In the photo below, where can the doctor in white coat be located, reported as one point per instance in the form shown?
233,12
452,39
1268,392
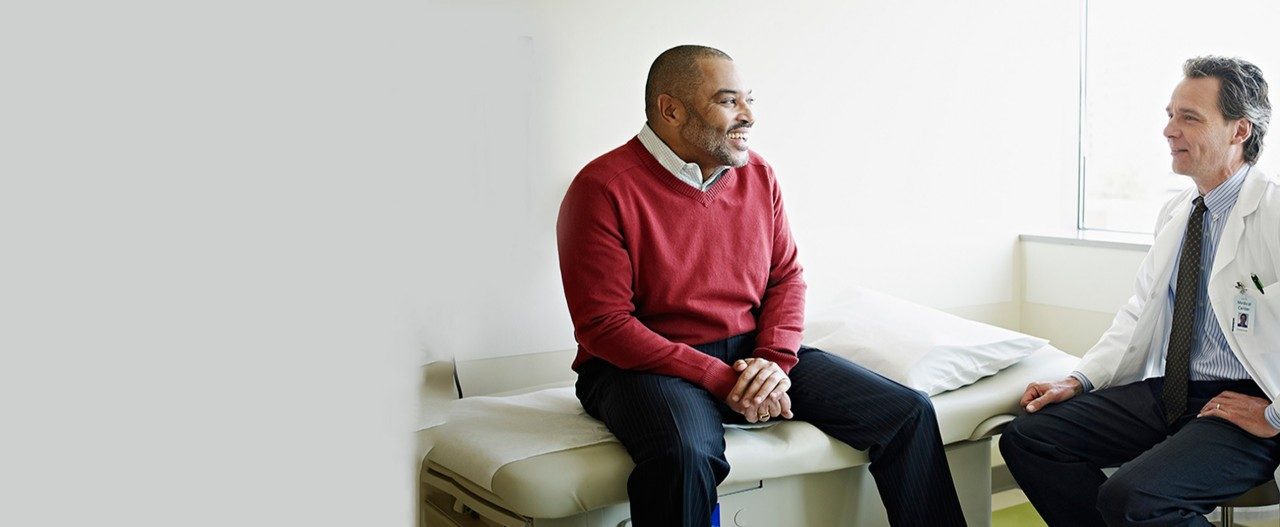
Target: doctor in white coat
1177,392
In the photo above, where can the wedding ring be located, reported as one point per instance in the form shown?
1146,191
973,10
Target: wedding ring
1218,407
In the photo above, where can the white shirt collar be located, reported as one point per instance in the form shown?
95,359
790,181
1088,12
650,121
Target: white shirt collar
689,173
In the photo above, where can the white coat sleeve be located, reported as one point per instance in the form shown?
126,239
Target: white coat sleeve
1102,361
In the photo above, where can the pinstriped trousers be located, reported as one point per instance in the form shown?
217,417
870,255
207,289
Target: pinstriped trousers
673,430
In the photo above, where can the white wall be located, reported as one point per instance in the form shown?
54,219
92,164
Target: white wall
1073,291
914,142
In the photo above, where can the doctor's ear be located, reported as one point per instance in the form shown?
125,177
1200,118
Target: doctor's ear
1244,129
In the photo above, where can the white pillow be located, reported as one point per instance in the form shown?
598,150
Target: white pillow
918,346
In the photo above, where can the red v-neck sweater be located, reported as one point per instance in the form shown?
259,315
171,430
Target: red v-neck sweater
652,266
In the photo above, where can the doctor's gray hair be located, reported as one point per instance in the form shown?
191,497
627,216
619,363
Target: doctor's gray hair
1243,95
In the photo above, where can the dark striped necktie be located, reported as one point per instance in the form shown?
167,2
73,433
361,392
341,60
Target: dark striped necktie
1182,334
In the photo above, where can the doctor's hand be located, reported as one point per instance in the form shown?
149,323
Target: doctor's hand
1244,411
758,379
1042,394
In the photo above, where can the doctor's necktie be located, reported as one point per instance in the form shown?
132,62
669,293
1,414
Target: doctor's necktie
1177,362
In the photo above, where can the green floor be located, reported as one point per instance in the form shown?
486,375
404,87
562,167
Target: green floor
1024,515
1021,515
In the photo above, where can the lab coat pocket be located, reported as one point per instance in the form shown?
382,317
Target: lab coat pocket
1264,338
1260,348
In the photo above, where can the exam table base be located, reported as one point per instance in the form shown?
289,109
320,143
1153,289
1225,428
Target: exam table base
844,497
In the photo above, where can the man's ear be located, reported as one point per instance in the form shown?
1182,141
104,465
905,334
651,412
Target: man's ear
1244,129
671,111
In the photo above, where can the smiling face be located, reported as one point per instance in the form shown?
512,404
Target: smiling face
1204,144
719,118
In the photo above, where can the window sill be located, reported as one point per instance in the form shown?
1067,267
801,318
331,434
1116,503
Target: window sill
1094,238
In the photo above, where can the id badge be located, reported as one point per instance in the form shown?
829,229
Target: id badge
1243,320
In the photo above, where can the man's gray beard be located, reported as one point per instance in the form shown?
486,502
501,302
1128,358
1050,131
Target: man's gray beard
706,138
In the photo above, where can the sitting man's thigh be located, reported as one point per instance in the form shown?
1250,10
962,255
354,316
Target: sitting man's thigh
1106,427
1206,462
827,387
823,372
646,407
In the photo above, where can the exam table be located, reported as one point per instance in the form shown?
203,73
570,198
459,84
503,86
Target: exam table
788,474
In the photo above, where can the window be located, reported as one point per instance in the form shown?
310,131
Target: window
1132,59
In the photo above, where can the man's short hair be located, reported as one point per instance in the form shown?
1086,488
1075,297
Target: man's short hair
1243,95
675,72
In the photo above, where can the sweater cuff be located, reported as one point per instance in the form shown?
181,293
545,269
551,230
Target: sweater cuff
786,361
719,379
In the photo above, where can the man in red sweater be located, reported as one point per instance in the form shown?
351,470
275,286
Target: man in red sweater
687,301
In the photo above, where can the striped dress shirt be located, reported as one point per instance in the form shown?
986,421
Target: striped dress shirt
687,172
1211,356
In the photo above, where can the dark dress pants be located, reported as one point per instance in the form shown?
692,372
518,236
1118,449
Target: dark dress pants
673,430
1168,475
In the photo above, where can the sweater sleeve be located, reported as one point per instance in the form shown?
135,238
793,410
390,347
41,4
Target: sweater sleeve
782,309
597,275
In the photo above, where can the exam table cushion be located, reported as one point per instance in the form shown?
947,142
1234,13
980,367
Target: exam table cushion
921,347
573,481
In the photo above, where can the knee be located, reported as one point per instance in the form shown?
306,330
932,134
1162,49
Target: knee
683,455
1007,442
916,411
918,403
1025,445
1120,497
1024,434
695,454
1011,437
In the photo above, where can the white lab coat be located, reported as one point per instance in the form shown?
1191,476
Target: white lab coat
1132,349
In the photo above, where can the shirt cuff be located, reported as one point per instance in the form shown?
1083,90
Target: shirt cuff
1273,416
1084,381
